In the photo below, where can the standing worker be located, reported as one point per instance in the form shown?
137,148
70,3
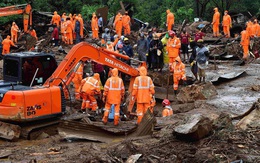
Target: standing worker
100,24
94,26
68,30
185,41
126,24
170,20
14,32
7,43
178,73
56,19
77,81
215,22
201,60
55,35
167,111
114,92
77,29
245,41
173,47
88,89
227,24
142,47
143,89
119,25
81,25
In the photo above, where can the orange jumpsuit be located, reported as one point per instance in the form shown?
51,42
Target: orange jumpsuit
126,24
56,19
114,90
7,43
62,31
119,26
215,22
68,31
249,26
170,20
33,33
173,48
89,88
81,25
167,111
143,88
226,25
77,81
245,41
178,72
94,26
14,32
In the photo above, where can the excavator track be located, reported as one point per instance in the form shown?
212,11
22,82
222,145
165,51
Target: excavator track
9,131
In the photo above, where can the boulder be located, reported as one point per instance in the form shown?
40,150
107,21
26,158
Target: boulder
195,92
194,127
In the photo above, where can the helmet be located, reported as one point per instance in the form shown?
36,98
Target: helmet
166,102
171,33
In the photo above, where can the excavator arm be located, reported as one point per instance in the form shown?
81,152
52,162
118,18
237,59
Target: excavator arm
24,9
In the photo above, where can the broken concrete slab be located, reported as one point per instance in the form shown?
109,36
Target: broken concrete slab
195,92
193,127
224,75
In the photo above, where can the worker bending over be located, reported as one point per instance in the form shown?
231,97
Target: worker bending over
143,88
7,43
114,92
167,111
88,89
178,73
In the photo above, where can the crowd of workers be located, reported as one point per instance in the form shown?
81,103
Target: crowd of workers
155,47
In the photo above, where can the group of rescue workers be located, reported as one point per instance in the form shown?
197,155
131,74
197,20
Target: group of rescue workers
154,47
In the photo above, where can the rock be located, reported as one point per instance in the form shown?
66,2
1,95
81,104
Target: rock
193,127
255,88
133,158
194,92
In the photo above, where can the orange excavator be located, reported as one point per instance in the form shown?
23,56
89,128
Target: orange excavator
21,103
24,9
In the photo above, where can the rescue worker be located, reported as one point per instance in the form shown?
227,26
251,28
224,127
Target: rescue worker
173,47
88,89
62,31
179,73
170,20
142,47
14,32
117,18
202,54
245,41
77,81
32,32
7,43
226,24
255,28
249,26
114,92
167,111
81,25
68,31
119,26
185,41
143,89
94,26
215,22
126,24
56,19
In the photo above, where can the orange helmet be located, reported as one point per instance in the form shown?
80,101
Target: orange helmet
166,102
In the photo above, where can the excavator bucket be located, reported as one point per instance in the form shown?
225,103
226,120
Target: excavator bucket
9,131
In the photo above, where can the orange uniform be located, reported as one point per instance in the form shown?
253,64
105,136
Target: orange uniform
81,25
62,31
245,41
117,18
173,49
77,81
7,43
170,20
143,88
94,26
89,88
249,26
14,32
167,111
114,90
55,19
215,22
32,32
126,24
68,30
227,22
178,72
255,28
119,26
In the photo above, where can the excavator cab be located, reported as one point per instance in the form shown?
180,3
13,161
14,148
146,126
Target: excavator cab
28,68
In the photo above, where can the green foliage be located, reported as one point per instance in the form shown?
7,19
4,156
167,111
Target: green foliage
88,10
184,13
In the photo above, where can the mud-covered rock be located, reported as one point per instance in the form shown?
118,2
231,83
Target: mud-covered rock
195,92
193,127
